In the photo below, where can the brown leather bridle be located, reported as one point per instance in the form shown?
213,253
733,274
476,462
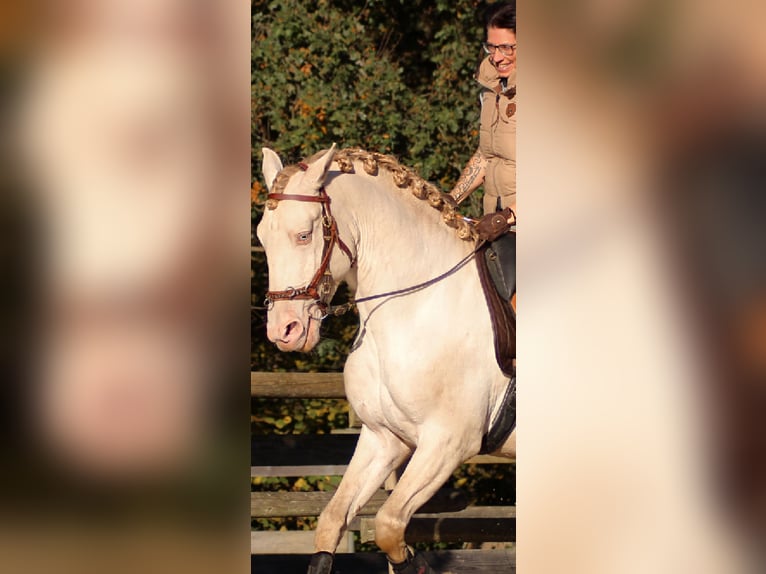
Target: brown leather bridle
319,288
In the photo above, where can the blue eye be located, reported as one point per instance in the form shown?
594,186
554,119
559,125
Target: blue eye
304,237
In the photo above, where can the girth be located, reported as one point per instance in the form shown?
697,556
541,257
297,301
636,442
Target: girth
504,422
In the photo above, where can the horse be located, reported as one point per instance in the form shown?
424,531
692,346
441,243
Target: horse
422,374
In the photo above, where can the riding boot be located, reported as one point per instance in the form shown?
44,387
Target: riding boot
412,565
321,563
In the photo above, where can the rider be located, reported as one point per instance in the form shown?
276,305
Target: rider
494,163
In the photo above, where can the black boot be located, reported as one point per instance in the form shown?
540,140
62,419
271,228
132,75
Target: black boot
413,565
321,563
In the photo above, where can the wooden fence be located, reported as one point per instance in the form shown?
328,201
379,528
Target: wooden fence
447,517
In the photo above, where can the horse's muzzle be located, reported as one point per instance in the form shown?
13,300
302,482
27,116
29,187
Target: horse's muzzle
291,332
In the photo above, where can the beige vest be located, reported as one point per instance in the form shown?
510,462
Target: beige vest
498,136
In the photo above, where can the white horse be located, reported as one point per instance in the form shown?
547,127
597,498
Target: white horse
422,377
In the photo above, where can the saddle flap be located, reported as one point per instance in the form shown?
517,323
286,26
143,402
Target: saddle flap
501,263
500,311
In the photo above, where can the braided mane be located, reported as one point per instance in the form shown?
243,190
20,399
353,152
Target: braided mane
403,176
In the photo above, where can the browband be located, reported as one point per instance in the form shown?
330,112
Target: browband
321,198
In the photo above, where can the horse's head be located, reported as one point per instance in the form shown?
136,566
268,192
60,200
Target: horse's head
299,235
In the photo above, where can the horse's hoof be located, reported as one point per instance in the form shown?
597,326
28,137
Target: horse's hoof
321,563
413,565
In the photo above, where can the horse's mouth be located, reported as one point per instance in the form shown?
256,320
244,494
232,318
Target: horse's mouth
297,345
305,343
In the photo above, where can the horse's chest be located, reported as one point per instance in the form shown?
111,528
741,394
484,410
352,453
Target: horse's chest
390,390
377,408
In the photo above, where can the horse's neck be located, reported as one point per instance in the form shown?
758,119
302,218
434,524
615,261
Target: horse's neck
400,240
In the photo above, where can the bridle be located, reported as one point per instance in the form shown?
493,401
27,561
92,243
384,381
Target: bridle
319,289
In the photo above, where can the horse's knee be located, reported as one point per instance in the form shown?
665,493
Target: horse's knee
389,535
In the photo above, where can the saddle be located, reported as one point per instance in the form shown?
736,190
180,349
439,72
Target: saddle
496,262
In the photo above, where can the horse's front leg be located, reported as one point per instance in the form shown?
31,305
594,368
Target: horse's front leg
377,454
431,465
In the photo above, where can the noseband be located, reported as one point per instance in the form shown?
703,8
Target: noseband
319,288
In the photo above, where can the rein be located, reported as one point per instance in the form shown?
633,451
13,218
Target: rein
320,285
338,310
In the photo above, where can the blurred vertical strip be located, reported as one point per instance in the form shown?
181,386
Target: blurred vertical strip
124,299
641,285
17,247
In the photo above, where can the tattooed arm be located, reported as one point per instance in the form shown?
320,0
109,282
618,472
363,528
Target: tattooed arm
471,178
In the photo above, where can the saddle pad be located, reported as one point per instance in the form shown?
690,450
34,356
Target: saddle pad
501,313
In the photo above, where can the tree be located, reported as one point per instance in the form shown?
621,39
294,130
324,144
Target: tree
392,76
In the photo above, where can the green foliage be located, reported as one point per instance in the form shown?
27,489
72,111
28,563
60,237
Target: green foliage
318,78
298,416
487,484
394,77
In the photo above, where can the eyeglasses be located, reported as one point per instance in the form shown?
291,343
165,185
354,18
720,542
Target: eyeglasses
505,49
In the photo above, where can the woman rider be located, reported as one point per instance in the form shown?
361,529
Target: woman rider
494,163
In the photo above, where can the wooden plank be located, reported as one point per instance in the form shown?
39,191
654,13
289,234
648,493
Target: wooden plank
444,561
473,524
297,385
304,470
269,453
287,503
280,504
338,469
292,542
490,459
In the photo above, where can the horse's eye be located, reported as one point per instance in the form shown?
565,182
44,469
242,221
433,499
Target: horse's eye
304,237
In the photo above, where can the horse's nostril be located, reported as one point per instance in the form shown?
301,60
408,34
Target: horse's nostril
292,326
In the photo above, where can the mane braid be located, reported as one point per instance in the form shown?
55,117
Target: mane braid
404,178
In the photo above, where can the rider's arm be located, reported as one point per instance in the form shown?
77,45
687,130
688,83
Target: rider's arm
471,178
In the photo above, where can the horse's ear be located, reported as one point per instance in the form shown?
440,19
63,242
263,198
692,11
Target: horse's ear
271,166
317,171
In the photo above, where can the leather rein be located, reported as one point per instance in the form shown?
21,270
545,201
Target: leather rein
319,288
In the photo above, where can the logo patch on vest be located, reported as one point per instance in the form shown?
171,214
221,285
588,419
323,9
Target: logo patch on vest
510,110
